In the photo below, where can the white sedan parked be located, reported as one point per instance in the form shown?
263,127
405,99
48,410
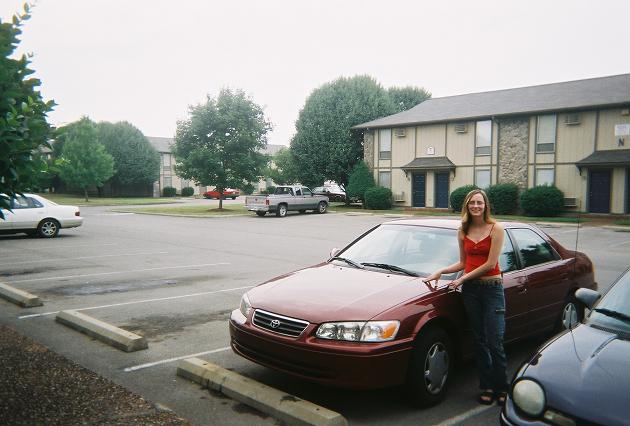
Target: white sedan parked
35,215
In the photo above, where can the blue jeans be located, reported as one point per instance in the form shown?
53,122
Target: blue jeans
485,305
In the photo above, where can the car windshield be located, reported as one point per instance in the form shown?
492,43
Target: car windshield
613,312
418,249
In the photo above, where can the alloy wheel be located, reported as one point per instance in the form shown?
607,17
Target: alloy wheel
436,368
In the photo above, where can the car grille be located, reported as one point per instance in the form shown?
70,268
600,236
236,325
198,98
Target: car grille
279,324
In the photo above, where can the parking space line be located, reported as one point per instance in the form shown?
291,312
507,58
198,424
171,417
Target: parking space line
464,416
81,258
159,299
165,361
116,272
619,244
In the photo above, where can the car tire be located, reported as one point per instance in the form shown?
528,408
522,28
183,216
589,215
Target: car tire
321,207
261,214
302,211
48,228
572,313
234,198
282,210
430,367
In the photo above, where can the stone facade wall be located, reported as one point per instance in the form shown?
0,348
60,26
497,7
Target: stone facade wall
368,148
513,146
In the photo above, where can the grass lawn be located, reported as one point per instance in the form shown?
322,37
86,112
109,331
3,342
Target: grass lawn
623,222
198,210
79,200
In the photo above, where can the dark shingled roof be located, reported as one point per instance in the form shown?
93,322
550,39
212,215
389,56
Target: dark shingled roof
615,157
570,95
429,163
161,144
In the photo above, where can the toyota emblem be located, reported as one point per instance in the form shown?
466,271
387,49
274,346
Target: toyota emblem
275,323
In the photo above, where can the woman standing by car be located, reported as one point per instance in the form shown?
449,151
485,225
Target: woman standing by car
480,242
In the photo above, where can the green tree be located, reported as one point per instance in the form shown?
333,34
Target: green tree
361,179
135,160
84,161
23,126
407,97
220,143
325,146
282,168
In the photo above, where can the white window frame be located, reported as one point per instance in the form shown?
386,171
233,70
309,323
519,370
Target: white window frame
385,175
546,140
166,161
385,141
477,172
483,146
538,177
168,179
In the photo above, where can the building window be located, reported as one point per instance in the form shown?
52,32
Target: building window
166,161
385,144
546,133
482,178
185,183
483,137
544,176
385,179
168,181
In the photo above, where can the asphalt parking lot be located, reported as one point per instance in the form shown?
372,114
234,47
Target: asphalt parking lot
175,281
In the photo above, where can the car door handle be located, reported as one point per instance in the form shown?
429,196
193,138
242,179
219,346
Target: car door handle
521,289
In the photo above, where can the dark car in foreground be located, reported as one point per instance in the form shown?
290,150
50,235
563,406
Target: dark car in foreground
365,319
581,377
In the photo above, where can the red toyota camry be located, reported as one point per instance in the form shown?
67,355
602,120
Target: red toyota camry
364,318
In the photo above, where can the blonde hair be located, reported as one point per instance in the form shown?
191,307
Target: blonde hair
486,210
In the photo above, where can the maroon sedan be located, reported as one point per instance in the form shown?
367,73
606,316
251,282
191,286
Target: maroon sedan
364,319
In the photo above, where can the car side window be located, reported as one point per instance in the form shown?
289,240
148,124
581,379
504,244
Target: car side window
532,247
507,258
21,202
306,192
35,203
298,192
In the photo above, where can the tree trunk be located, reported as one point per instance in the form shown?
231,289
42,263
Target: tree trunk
221,200
85,192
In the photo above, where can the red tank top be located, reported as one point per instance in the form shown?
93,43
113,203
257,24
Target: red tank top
477,254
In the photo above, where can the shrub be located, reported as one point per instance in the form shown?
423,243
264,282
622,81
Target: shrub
169,191
543,200
188,191
248,189
503,198
359,181
458,195
378,198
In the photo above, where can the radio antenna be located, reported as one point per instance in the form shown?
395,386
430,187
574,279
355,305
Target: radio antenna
577,236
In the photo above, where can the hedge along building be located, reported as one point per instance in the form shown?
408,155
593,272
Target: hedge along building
574,135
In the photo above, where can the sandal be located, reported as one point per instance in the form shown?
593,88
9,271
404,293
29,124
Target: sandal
486,397
501,397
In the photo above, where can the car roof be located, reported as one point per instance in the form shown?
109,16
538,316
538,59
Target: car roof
448,223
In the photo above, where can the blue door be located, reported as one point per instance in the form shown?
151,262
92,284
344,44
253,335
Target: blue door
599,191
441,190
419,189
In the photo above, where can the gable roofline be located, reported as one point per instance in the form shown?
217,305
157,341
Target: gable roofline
576,95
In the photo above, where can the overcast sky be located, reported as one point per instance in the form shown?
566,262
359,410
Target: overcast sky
146,61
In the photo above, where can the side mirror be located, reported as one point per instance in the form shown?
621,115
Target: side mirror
334,252
587,296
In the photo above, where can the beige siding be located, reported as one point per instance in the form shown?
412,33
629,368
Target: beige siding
463,176
403,149
545,159
617,191
483,160
569,181
606,139
384,164
461,146
401,185
532,140
431,136
530,176
430,190
575,142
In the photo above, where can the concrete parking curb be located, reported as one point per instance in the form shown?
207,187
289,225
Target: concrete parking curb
358,214
617,228
280,405
114,336
20,297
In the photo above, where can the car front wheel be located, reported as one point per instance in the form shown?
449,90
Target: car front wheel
321,207
48,228
430,368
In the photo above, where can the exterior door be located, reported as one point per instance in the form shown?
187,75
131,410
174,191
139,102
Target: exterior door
441,189
419,189
599,191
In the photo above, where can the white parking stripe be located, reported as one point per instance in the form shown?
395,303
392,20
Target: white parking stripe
115,272
165,361
465,416
81,258
619,244
138,301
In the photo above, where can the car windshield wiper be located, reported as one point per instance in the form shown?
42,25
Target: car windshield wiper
348,261
390,268
613,314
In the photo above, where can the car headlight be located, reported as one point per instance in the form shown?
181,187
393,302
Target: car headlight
359,331
529,396
245,307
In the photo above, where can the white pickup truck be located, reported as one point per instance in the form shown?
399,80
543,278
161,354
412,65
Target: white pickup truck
287,198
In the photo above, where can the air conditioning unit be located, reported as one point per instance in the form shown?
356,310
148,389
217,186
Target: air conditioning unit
400,133
461,128
570,202
572,119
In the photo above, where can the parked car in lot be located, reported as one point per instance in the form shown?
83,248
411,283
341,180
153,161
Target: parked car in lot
581,377
227,193
333,192
286,198
35,215
365,319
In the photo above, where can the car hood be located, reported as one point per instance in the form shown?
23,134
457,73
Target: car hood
583,369
327,292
